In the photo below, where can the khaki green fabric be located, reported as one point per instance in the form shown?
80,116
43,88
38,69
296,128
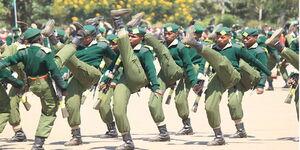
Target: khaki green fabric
4,108
14,118
213,96
249,76
221,65
297,102
130,82
291,57
105,107
45,91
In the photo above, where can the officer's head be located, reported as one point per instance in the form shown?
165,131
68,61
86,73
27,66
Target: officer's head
15,30
113,41
171,32
223,36
61,35
198,32
33,35
136,35
249,36
89,33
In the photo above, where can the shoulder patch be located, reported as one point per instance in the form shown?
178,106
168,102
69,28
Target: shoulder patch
21,47
102,44
180,45
46,50
259,50
187,45
144,50
149,47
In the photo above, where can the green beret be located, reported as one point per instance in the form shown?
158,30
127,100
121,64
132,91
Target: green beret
261,39
198,29
171,28
137,30
112,38
144,25
15,29
31,32
102,30
270,33
223,31
90,29
61,32
250,32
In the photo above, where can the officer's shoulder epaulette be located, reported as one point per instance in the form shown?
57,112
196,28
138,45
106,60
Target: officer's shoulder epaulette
46,49
180,45
102,39
259,50
149,47
21,47
187,45
102,44
236,45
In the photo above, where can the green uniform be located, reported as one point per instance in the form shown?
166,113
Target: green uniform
38,63
11,39
14,117
261,55
5,111
84,67
138,71
176,65
215,89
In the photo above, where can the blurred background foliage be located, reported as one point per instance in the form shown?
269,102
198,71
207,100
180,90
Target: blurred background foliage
248,12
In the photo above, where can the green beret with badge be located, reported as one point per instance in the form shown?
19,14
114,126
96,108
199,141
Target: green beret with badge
31,32
171,28
137,30
112,38
198,29
250,32
224,31
102,30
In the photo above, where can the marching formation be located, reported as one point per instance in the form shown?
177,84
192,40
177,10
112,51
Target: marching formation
115,62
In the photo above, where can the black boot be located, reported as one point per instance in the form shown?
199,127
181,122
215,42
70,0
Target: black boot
117,17
38,143
162,136
18,137
189,39
76,138
218,140
128,145
187,128
112,131
270,88
240,133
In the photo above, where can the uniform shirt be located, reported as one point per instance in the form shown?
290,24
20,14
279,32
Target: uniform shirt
181,56
37,61
145,56
295,45
234,53
261,55
11,39
197,59
94,53
271,52
6,76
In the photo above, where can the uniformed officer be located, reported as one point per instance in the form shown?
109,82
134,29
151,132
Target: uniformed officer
38,64
139,70
250,41
105,107
219,83
175,65
13,37
84,67
288,54
6,76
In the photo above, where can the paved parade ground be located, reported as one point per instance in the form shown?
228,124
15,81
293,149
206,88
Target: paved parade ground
270,123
